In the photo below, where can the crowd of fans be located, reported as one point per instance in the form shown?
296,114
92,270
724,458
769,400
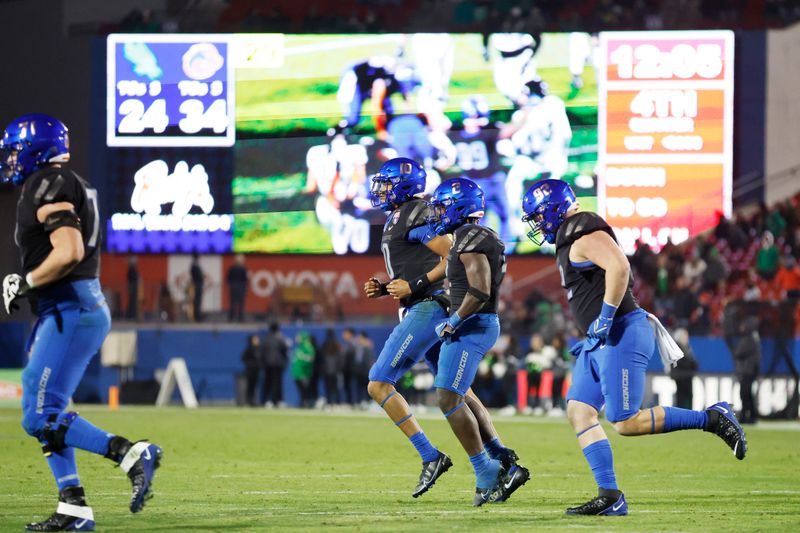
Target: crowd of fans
752,257
329,372
456,15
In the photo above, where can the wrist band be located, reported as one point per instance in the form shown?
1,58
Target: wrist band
419,284
455,320
608,311
29,280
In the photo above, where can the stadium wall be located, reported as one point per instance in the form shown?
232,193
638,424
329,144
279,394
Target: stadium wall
334,280
783,114
213,359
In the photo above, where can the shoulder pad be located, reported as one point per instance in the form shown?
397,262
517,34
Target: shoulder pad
579,225
415,212
470,238
50,185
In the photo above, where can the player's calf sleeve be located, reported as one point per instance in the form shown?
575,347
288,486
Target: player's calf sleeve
601,461
425,449
677,419
65,471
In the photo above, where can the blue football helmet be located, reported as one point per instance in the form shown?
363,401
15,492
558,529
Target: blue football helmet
30,142
397,181
453,202
475,108
545,205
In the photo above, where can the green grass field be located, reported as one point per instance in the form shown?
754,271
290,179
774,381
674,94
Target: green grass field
259,470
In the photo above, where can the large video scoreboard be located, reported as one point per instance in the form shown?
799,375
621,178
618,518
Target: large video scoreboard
666,133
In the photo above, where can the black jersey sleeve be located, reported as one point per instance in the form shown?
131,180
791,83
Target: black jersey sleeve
57,185
579,225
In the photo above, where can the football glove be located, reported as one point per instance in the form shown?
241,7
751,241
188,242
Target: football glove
602,324
14,286
447,327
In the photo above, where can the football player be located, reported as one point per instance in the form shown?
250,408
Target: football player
539,135
515,63
375,79
476,265
337,173
58,235
612,361
413,254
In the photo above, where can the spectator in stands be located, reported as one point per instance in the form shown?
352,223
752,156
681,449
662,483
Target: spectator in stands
695,266
198,281
276,356
251,357
539,358
747,358
134,289
684,302
303,357
663,285
767,257
166,304
684,372
237,289
788,277
645,262
716,269
332,364
365,357
349,349
561,367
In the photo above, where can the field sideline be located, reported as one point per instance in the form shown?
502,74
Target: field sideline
268,470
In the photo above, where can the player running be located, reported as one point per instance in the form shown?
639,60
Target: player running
611,362
476,265
58,234
413,255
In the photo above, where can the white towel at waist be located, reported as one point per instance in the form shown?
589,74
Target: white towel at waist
667,347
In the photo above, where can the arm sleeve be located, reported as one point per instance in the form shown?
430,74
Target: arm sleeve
423,234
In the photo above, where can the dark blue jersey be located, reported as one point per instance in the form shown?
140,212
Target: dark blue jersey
406,256
586,282
472,238
47,186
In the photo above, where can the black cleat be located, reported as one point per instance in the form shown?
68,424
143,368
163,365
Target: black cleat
431,470
516,477
141,463
722,422
72,514
507,458
612,503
